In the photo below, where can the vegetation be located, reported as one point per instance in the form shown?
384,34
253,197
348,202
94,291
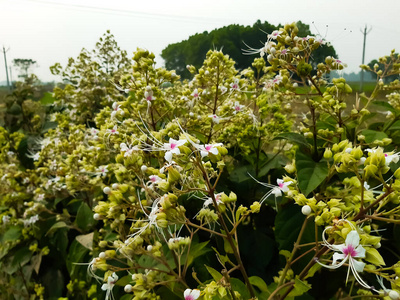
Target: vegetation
232,40
146,186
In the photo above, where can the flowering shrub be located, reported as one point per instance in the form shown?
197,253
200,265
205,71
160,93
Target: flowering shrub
166,189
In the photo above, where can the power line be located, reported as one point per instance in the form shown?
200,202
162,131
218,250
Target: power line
178,18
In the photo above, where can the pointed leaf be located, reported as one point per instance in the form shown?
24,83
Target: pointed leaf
309,173
373,256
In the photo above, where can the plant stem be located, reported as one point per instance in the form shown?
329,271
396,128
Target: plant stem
228,235
295,248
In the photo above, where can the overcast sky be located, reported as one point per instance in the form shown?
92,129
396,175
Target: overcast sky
50,31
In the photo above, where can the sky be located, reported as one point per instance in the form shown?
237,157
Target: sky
51,31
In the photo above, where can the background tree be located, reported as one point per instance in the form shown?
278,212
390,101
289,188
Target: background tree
231,39
23,64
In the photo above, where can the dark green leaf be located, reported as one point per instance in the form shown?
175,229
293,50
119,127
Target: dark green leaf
240,287
384,105
372,135
197,250
76,254
56,226
310,174
12,234
84,218
293,137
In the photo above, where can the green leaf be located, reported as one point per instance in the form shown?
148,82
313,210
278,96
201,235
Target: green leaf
12,234
47,99
76,254
49,125
84,217
56,226
20,258
214,273
395,126
86,240
240,287
310,174
372,135
273,162
300,287
197,250
124,280
384,105
372,255
293,137
259,282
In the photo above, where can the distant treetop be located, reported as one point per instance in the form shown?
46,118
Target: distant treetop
231,40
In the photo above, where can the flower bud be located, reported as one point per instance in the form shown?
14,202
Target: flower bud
102,255
394,295
255,207
327,153
143,168
96,216
107,190
128,288
114,186
306,210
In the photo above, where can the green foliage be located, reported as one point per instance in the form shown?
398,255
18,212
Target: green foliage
143,186
232,40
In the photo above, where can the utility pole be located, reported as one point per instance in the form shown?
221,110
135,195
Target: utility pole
363,55
5,62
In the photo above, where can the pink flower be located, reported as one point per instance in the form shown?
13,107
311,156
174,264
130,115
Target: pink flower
191,294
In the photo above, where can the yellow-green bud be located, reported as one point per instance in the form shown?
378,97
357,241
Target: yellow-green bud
255,207
327,153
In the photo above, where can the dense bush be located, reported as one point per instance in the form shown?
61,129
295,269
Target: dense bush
230,186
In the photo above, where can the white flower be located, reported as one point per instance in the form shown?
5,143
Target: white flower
274,34
209,148
191,294
215,118
172,148
114,130
5,219
128,149
235,84
102,170
275,190
347,252
111,280
195,94
148,95
237,107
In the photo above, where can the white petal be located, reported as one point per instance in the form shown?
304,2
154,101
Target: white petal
203,153
337,256
105,287
181,142
214,151
168,156
358,265
360,251
276,191
196,293
338,248
353,238
176,151
187,292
